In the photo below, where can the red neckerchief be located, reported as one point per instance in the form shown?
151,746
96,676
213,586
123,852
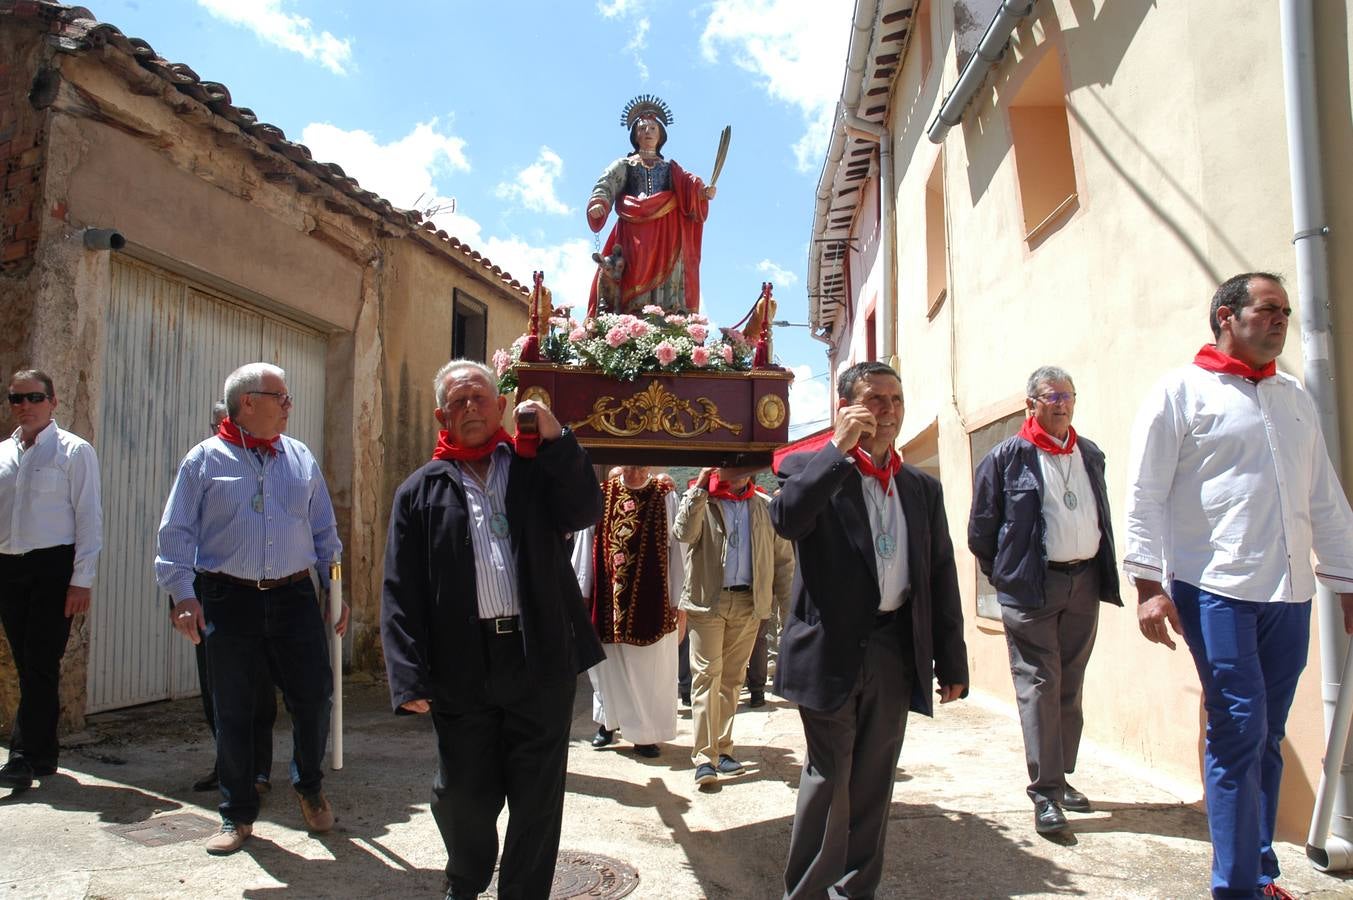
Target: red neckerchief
1037,435
1214,360
229,432
456,453
884,473
721,491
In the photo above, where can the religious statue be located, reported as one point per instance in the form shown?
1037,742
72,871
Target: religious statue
660,213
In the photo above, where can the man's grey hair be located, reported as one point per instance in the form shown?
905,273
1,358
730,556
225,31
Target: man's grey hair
1047,373
245,379
219,410
456,365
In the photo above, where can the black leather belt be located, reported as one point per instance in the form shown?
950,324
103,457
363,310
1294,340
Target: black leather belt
739,588
1070,568
501,625
261,584
886,618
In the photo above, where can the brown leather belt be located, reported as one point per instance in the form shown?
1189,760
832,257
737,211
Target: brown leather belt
1070,568
262,584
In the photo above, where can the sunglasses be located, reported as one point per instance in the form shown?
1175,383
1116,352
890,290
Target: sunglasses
34,397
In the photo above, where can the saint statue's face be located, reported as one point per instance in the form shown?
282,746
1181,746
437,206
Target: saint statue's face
648,132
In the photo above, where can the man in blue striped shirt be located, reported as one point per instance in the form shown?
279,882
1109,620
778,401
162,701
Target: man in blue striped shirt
248,518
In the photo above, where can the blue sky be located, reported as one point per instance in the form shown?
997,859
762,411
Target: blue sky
511,110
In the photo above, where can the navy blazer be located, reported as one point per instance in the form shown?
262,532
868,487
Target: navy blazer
821,508
434,646
1006,530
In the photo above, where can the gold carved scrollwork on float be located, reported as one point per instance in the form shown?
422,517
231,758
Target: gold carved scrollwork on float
537,393
655,409
770,411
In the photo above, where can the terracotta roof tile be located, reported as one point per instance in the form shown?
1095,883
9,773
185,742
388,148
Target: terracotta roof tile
73,29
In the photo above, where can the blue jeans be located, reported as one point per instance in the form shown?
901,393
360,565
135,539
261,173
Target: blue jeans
284,625
1249,657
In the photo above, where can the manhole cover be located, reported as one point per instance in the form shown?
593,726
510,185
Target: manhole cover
172,829
578,874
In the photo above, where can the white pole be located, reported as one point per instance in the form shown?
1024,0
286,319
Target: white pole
336,663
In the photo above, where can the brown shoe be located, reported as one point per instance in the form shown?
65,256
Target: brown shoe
230,838
319,815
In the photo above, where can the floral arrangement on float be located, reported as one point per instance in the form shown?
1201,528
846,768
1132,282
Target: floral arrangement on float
624,346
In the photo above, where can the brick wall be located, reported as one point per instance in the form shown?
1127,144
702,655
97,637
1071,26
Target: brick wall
22,142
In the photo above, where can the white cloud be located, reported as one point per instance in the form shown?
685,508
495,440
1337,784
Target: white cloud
796,49
808,401
636,46
631,15
534,185
777,275
289,31
404,171
616,7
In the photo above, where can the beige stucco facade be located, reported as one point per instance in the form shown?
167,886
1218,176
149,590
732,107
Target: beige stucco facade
90,137
1174,121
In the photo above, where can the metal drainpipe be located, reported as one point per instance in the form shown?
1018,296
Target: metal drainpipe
989,51
1327,851
867,131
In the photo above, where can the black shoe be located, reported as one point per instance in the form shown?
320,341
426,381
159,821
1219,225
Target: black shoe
17,775
1048,817
728,765
1074,800
685,698
757,698
705,774
648,751
208,782
603,738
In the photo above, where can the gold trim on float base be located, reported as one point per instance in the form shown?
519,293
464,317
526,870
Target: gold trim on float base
655,409
770,411
537,393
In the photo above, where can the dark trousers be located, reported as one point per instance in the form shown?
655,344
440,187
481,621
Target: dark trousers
1249,657
758,663
1049,649
684,665
846,789
284,627
265,705
33,611
504,742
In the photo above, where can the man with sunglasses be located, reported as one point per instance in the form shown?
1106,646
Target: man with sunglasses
1039,528
247,520
50,535
1230,493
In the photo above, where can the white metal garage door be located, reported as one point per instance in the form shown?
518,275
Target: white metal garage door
170,345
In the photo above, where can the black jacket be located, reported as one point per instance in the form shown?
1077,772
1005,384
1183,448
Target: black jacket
1006,530
429,610
821,508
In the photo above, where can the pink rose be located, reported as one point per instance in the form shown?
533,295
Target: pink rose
501,361
577,335
700,356
651,310
675,319
697,332
558,322
628,506
698,319
617,336
638,328
665,353
728,354
735,336
618,559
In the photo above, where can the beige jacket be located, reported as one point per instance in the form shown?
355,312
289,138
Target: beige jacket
699,525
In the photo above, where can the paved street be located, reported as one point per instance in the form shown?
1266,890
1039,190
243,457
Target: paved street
961,827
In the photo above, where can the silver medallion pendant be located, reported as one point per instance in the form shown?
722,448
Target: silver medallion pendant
885,546
498,525
732,538
1069,499
257,503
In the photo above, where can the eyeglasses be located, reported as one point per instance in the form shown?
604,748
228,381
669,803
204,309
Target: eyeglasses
1052,398
284,399
34,397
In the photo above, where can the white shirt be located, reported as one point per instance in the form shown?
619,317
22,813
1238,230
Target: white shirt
1069,535
1230,489
886,517
49,497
